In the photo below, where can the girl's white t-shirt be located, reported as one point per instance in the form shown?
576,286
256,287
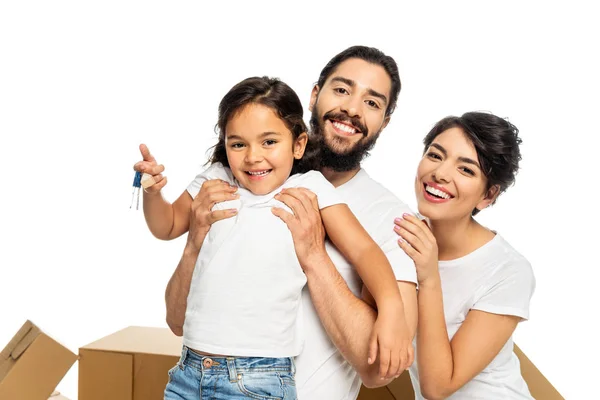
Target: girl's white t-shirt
245,293
494,278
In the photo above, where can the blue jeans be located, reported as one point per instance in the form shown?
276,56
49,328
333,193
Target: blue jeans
197,377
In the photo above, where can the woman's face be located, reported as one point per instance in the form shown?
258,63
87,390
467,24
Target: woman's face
449,182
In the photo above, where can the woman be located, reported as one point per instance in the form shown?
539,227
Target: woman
474,288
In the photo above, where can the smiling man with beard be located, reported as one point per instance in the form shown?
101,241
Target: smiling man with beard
351,104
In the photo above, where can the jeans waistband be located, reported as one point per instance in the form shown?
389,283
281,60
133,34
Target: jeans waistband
235,365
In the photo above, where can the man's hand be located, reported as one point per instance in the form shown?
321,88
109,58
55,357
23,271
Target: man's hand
149,166
305,224
202,216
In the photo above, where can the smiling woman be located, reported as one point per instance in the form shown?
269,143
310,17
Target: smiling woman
474,288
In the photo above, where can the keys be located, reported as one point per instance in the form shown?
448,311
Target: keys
137,184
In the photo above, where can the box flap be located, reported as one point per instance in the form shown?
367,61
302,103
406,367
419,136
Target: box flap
136,339
22,339
539,386
37,371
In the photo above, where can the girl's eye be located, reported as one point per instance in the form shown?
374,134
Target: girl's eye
373,104
434,156
270,142
341,90
237,145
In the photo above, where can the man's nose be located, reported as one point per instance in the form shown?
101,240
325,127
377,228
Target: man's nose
352,106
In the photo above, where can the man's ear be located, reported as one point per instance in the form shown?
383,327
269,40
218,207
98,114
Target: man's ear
490,197
313,97
386,121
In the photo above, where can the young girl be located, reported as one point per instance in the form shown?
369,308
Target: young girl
474,288
243,317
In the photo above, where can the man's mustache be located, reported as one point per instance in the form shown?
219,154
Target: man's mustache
341,117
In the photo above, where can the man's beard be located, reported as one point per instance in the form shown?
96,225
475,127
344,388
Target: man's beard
335,152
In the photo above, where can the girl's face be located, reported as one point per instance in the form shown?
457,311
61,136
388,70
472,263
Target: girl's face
261,149
449,182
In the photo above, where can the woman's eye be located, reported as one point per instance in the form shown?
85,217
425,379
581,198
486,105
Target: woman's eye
468,170
434,156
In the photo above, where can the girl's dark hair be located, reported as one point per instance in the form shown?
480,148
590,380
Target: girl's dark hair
279,97
496,141
373,56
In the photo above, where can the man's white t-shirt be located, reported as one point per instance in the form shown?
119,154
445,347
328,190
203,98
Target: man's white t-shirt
494,278
245,293
322,373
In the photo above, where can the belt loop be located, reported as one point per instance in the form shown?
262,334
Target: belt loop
293,366
233,376
184,353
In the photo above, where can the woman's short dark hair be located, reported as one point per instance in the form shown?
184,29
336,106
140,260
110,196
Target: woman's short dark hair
272,93
496,141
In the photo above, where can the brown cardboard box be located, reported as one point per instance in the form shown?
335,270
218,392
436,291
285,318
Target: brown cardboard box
32,364
401,388
131,364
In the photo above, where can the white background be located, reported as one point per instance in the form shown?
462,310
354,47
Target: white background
83,83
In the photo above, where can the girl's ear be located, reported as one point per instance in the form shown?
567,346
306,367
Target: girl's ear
490,197
300,145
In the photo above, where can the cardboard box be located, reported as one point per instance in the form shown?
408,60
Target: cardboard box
401,388
131,364
32,364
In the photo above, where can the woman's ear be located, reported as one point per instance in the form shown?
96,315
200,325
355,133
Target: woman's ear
490,197
300,145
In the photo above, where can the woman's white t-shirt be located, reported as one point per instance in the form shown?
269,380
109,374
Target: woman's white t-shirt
494,278
245,293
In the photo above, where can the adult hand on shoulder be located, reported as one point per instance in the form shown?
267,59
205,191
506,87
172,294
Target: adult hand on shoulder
305,224
418,242
202,215
149,166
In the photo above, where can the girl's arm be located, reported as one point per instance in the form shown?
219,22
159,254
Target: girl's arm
166,221
444,365
391,335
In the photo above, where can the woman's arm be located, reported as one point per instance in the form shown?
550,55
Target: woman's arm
444,365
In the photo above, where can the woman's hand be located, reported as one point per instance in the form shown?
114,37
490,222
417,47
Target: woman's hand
418,242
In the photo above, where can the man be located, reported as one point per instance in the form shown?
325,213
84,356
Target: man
351,104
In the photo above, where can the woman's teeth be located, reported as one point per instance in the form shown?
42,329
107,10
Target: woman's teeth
437,192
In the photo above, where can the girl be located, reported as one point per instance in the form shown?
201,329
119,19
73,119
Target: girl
243,315
474,288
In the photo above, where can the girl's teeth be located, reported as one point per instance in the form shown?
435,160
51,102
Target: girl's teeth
258,173
437,192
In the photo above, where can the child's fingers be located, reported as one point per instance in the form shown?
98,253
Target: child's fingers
384,361
372,350
411,357
395,364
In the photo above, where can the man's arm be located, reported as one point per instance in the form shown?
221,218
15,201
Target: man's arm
347,319
178,289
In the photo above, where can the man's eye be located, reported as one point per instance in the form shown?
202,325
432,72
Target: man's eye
373,104
341,90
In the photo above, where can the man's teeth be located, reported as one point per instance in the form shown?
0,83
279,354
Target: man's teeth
437,192
344,127
259,173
